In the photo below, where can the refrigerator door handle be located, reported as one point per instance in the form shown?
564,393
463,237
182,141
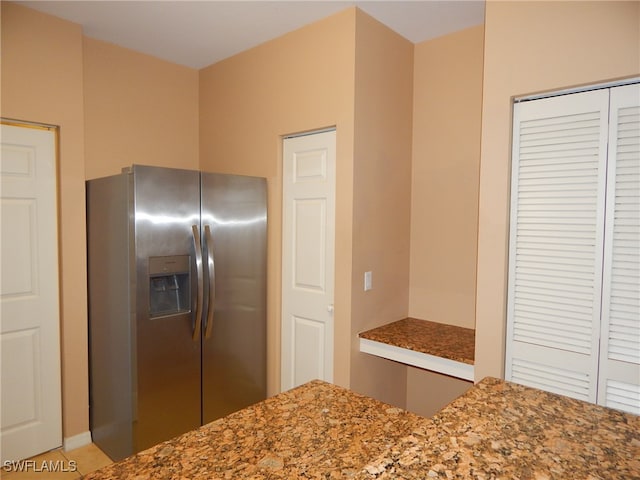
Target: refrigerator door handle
200,290
211,268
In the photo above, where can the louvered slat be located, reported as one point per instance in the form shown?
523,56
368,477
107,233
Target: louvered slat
623,396
551,379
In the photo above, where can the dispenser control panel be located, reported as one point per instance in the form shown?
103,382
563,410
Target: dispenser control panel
169,285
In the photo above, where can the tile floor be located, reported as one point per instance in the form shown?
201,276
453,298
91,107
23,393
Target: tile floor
69,465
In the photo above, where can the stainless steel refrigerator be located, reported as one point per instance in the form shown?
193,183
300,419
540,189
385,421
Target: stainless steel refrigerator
177,302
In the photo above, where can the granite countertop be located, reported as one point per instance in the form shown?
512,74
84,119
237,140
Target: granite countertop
495,430
438,339
317,430
503,430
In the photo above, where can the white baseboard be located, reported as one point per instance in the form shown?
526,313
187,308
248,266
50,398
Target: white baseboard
77,441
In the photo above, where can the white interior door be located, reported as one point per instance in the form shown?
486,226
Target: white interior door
309,165
29,333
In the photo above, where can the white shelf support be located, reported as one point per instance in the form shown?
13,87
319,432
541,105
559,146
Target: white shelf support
453,368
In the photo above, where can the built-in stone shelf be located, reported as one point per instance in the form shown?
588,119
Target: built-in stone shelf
441,348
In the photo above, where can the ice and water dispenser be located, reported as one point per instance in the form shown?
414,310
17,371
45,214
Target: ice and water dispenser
169,285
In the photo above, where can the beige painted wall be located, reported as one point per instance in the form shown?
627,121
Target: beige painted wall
381,199
445,178
429,392
298,82
138,109
447,107
42,82
561,44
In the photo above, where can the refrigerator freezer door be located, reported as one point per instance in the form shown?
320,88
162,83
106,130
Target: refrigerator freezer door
167,400
234,345
111,301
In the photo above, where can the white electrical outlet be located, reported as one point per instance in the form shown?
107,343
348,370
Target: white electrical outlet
367,281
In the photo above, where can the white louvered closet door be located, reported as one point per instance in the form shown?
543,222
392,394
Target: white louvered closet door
619,385
556,243
573,312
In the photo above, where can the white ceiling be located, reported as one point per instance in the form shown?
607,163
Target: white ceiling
200,33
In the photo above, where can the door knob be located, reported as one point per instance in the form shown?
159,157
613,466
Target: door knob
330,308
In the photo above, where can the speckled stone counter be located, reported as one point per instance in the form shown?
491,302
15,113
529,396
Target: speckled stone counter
503,430
317,430
440,340
496,430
